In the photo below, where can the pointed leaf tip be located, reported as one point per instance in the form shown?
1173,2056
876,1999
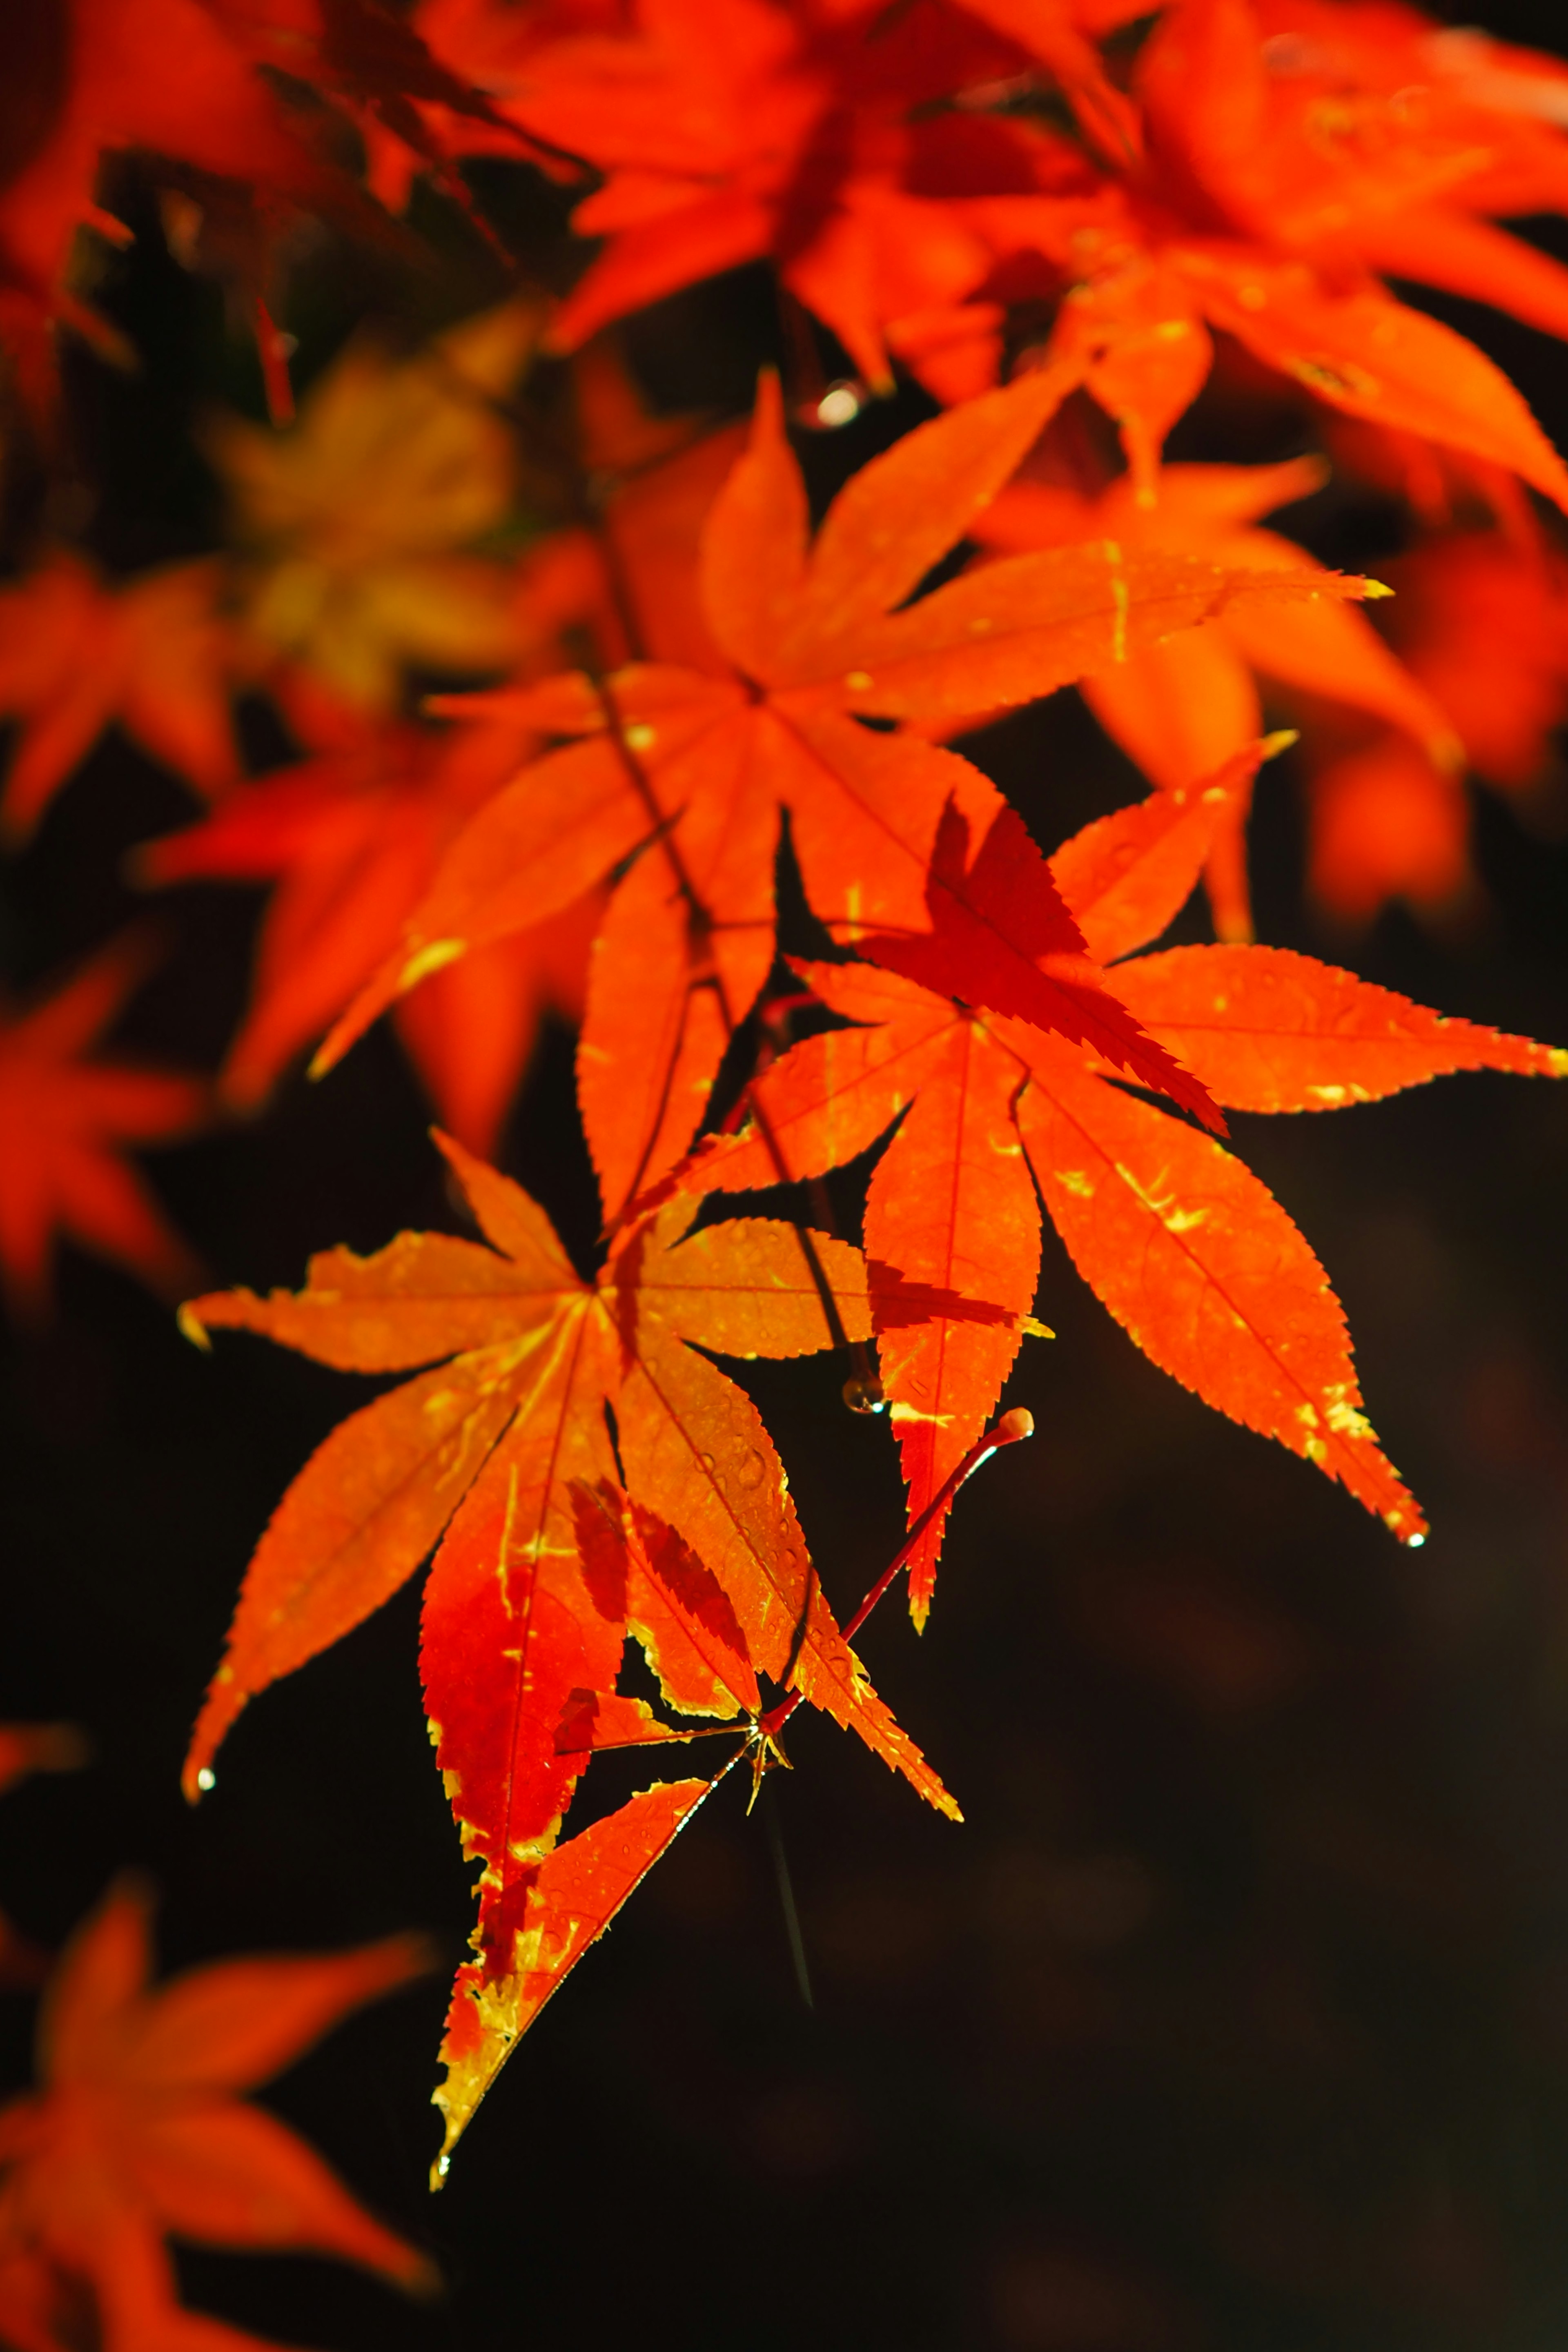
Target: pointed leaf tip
193,1328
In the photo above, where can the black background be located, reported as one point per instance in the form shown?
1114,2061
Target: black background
1235,2014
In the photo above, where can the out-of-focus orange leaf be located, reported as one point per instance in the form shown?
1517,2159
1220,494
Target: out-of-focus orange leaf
1268,161
1482,620
75,655
1183,708
351,840
134,2133
720,131
1385,824
355,519
208,89
63,1116
163,75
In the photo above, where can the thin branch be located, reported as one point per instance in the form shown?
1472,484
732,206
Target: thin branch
786,1885
1013,1426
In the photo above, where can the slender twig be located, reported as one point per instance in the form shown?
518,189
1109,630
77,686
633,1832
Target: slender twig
1018,1424
787,1895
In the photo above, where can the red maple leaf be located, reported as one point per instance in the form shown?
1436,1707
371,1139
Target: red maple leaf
1292,152
1189,1251
135,2132
497,1456
1481,619
1183,708
63,1114
823,138
76,656
194,85
351,840
163,75
1269,161
692,768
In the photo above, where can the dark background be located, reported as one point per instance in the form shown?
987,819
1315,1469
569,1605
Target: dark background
1237,2013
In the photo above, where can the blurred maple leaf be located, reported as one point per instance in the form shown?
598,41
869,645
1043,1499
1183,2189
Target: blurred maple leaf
1183,708
1384,824
625,567
27,1748
354,520
1293,150
105,75
135,2134
62,1115
151,653
351,839
209,90
1481,619
730,132
353,836
1268,162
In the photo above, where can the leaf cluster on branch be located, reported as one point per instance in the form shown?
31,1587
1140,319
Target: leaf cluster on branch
666,680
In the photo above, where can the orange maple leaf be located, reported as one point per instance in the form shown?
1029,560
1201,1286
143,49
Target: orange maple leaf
1384,824
198,84
822,138
1366,137
1184,707
641,1577
1482,620
163,75
1189,1251
495,1457
351,839
495,1442
354,532
1291,153
816,638
61,1116
75,655
135,2132
1268,162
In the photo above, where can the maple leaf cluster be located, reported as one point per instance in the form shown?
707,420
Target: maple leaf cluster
567,684
981,1015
